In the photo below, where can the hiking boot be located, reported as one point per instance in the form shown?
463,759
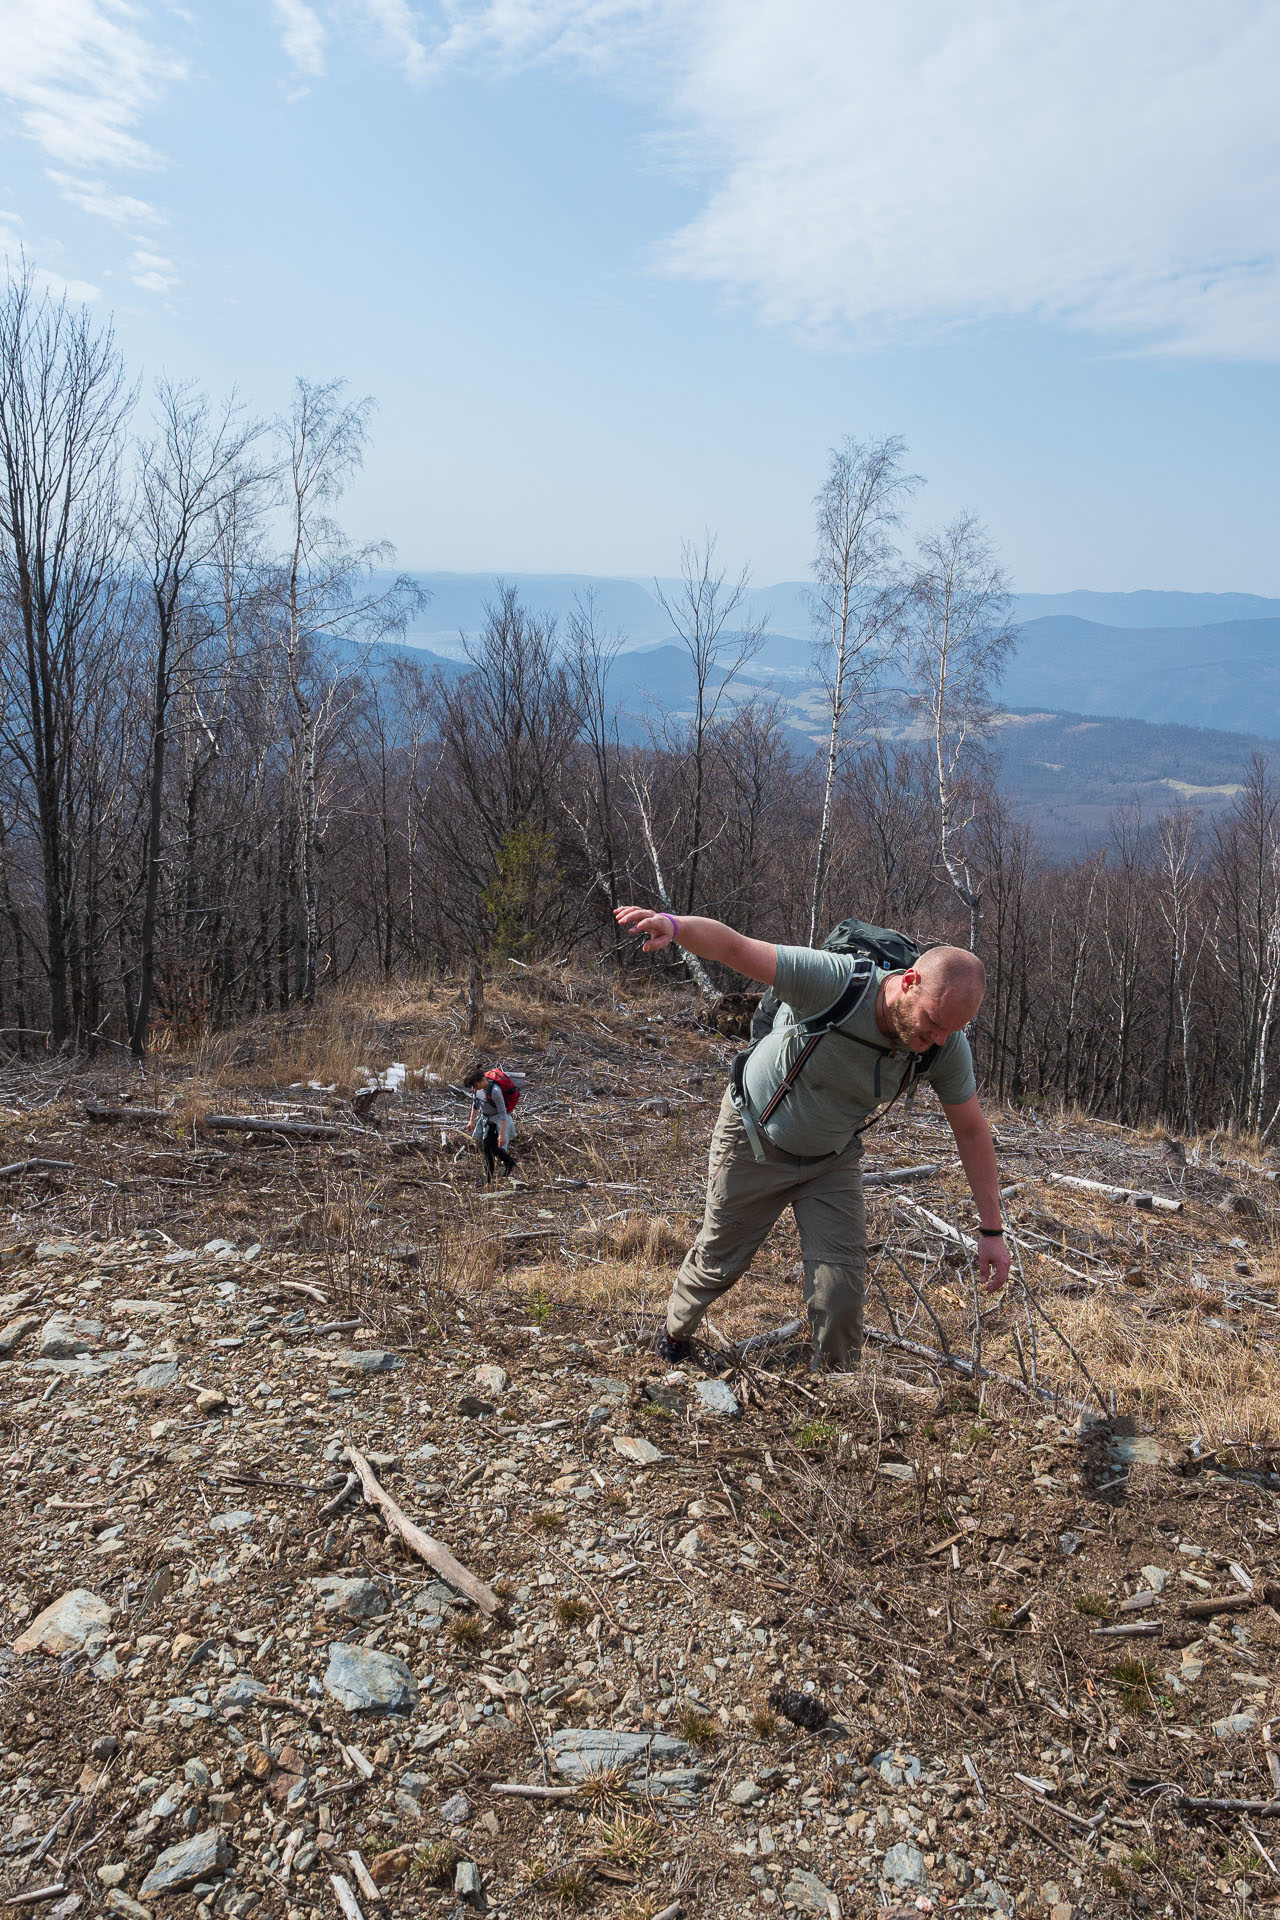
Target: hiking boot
674,1352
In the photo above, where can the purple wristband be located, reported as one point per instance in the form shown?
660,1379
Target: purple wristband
675,925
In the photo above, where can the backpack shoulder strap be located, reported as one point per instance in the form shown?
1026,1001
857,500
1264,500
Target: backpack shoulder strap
818,1024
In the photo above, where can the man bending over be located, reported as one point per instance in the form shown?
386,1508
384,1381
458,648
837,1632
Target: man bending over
788,1137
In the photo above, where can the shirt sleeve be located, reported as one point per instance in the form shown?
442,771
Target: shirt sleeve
951,1076
810,979
499,1104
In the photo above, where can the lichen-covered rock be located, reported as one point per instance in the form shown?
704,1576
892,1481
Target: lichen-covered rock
190,1860
66,1625
365,1681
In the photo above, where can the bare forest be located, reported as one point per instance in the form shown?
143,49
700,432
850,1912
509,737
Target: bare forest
222,794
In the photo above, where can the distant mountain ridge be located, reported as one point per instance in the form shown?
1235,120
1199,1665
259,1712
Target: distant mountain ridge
1227,675
457,603
1156,657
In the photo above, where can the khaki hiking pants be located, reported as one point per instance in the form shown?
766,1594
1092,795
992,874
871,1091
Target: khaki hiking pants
744,1198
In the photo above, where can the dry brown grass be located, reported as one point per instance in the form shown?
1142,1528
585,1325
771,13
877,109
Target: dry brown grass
1178,1374
649,1237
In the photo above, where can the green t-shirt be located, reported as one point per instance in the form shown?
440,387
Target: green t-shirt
842,1082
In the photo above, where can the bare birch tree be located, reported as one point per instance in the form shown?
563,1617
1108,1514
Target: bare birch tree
856,606
700,610
327,597
188,473
959,637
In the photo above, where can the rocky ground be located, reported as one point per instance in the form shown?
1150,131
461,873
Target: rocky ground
991,1627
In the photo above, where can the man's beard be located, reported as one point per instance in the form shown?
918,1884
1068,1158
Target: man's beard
900,1019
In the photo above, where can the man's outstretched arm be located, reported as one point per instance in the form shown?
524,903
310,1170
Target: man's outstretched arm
978,1158
709,939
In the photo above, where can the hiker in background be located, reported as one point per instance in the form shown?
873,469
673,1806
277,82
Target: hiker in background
849,1036
493,1097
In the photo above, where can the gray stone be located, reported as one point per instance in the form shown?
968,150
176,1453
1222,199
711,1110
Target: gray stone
904,1866
66,1624
808,1893
896,1470
610,1389
491,1379
159,1378
1069,1543
1155,1577
242,1691
713,1396
466,1881
1235,1726
354,1599
641,1453
83,1366
232,1522
114,1873
1135,1450
56,1249
123,1907
17,1330
366,1360
456,1809
363,1680
581,1750
62,1337
746,1794
195,1859
196,1774
435,1597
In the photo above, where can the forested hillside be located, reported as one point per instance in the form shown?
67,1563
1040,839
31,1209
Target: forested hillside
219,798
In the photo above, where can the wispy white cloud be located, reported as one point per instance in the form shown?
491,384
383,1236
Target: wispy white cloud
79,77
154,271
1108,165
303,34
104,203
400,28
81,74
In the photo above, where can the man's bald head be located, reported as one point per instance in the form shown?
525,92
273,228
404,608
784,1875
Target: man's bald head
956,976
930,1001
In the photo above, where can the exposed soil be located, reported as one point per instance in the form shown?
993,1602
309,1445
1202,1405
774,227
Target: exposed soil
935,1559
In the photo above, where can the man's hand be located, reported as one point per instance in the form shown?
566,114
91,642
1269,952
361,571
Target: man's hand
660,927
994,1260
709,939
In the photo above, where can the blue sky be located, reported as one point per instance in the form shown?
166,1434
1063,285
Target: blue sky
619,271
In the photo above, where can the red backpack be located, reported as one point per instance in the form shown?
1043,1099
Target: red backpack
505,1084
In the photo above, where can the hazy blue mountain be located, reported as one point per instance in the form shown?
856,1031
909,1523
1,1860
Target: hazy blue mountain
1148,609
457,603
1226,675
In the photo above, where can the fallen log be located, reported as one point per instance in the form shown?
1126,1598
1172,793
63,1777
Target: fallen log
776,1337
36,1166
518,1791
892,1176
434,1552
1227,1603
140,1116
1129,1196
263,1123
966,1367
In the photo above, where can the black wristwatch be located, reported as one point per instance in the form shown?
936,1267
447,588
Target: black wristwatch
991,1233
